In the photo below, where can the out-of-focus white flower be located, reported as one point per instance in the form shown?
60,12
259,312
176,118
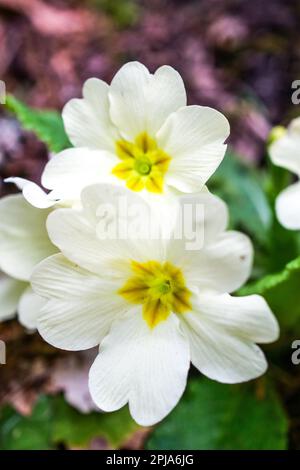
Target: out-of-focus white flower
151,304
24,242
10,292
285,152
137,132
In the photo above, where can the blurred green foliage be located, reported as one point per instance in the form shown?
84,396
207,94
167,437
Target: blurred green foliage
250,195
54,423
47,125
123,12
242,188
25,433
216,416
282,292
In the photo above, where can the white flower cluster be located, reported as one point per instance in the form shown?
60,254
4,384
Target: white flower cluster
152,304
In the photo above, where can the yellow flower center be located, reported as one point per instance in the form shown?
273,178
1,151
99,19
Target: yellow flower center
143,164
159,287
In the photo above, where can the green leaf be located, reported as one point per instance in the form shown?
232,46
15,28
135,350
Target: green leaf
217,416
47,125
77,429
282,292
54,422
210,416
19,432
241,187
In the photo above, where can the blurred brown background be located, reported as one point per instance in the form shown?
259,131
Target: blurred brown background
238,56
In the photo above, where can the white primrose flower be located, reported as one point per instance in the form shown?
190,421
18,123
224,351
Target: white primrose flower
24,242
152,304
11,291
285,152
137,132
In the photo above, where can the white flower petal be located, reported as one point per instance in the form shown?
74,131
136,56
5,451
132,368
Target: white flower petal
140,101
288,207
56,277
68,172
87,120
165,94
219,355
81,308
10,293
194,138
284,152
127,96
201,218
24,241
247,317
189,173
224,265
77,239
146,367
33,193
29,308
85,237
